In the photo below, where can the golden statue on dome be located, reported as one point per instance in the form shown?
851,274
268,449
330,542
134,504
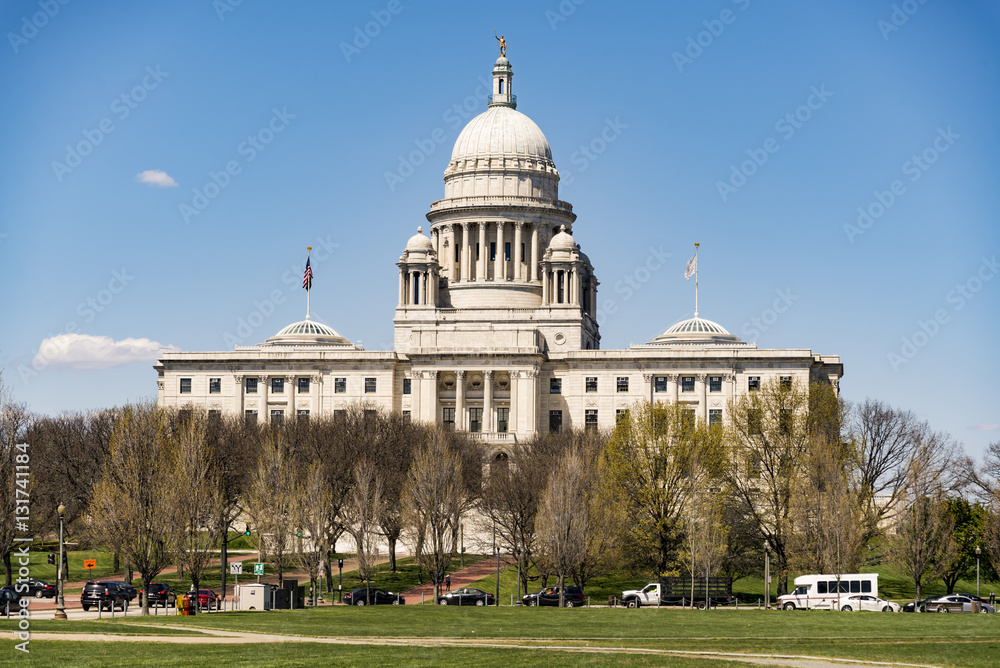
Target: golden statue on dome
503,44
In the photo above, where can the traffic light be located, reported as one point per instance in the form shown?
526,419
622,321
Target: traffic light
52,558
247,530
340,563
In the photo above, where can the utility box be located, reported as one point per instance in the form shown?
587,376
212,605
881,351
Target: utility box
254,596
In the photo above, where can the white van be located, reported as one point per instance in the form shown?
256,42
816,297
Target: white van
824,592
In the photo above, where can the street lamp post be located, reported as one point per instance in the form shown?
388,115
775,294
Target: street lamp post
61,607
978,552
767,575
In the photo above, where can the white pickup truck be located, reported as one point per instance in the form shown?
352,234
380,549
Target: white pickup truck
636,598
677,591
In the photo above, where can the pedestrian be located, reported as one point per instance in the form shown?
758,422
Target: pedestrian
447,582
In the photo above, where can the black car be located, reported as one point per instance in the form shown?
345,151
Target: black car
921,605
550,596
466,596
9,600
129,590
159,594
106,595
38,588
372,596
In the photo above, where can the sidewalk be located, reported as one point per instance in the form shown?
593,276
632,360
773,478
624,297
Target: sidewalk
460,578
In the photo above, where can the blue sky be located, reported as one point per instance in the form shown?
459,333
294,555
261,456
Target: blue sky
757,129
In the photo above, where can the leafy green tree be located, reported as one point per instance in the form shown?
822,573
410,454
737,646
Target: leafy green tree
970,524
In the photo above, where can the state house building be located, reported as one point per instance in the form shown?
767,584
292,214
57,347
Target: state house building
495,327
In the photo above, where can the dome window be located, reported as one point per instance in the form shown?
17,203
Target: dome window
501,86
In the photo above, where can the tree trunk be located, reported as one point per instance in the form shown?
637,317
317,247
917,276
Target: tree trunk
117,564
392,554
225,560
6,566
562,589
328,567
144,597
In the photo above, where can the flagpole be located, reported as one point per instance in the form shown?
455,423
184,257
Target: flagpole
696,279
308,287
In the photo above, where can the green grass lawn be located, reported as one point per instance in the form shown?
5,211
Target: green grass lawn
82,626
946,640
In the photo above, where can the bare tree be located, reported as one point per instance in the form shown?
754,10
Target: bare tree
434,498
705,533
923,546
361,514
198,514
563,518
271,500
13,421
134,505
314,497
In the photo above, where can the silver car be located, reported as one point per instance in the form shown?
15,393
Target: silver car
956,603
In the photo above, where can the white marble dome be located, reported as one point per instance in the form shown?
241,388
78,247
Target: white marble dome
696,330
501,131
307,332
419,243
563,241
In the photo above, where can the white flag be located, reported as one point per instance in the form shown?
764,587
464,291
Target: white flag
691,267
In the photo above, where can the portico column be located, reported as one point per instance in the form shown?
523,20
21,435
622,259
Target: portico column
241,398
517,250
488,401
500,267
402,288
483,256
515,377
672,381
545,285
703,397
460,400
534,252
316,394
291,383
430,407
262,386
465,253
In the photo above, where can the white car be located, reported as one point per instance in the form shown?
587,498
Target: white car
866,602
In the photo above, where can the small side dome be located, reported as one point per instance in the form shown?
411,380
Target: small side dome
696,330
307,332
502,62
563,241
419,243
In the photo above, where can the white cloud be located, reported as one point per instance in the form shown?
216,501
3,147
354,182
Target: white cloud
84,351
986,426
156,177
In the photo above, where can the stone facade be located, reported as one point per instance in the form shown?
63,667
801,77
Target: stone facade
495,325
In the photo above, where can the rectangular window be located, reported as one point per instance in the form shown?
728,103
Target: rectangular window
302,414
448,418
339,385
185,386
277,416
406,386
406,417
503,416
623,383
555,385
458,253
591,383
821,587
660,384
370,414
214,414
303,385
369,385
493,251
251,386
250,416
339,416
477,250
506,251
753,383
785,421
714,416
786,382
214,385
277,385
715,383
687,418
590,419
621,414
855,586
687,383
522,251
866,586
183,415
555,421
475,419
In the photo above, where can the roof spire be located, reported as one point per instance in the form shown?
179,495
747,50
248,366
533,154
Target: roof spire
502,76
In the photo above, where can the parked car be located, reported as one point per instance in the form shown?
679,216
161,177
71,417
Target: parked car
373,596
9,600
550,596
919,606
208,599
161,595
37,588
105,595
466,596
867,602
955,603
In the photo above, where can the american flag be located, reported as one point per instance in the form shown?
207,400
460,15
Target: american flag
307,278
